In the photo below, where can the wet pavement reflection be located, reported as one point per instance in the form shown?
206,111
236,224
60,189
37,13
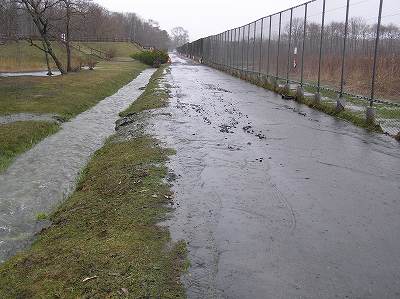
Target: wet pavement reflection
277,200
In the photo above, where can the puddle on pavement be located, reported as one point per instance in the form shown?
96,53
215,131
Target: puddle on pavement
42,177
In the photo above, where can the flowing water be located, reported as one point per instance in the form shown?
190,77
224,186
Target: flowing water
42,177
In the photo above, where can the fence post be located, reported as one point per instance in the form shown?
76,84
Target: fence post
318,94
370,113
287,87
378,29
277,56
230,49
235,51
341,102
228,46
254,46
269,44
224,49
243,50
248,48
261,47
300,90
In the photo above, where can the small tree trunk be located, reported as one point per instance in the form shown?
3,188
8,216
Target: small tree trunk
53,55
46,54
68,42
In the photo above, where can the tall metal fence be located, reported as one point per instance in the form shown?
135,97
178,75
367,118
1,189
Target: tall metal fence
348,49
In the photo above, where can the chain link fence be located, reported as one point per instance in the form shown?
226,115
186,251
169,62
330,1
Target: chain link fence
340,54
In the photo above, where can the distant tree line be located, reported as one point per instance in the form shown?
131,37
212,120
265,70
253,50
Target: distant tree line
82,19
42,22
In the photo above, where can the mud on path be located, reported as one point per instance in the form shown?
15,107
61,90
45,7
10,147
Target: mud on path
277,200
40,178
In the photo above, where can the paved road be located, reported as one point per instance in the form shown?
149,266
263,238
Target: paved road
274,199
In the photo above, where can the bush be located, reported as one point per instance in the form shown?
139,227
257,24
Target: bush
153,58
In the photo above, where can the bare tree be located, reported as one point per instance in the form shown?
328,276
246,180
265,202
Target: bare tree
40,11
71,9
180,36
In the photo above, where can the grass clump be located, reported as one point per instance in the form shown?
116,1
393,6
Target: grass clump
153,58
155,96
17,137
42,217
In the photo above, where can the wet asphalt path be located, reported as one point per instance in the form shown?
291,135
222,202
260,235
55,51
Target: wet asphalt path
277,200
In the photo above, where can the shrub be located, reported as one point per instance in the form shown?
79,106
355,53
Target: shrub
153,58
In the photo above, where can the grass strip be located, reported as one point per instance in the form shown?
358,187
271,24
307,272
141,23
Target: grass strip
104,241
17,137
155,95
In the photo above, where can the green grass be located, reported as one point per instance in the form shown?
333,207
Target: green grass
17,137
120,49
66,95
108,230
155,96
21,56
104,241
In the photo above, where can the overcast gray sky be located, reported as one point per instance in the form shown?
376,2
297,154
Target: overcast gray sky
200,17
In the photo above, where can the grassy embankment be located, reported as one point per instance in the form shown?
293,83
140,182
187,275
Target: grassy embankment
104,241
65,96
22,57
118,49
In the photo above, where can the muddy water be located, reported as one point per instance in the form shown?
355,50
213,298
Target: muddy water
274,199
45,175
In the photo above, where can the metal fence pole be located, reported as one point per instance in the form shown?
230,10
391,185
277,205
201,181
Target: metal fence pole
378,31
235,50
243,49
320,46
231,46
261,42
279,41
229,49
254,47
304,43
248,47
290,44
225,49
269,44
344,48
